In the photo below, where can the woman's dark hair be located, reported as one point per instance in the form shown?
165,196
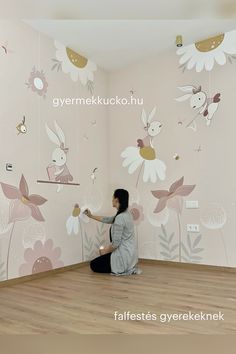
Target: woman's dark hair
123,196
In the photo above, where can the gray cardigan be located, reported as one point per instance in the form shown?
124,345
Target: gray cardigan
125,256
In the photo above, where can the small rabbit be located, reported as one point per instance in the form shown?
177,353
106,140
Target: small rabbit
199,101
153,128
61,172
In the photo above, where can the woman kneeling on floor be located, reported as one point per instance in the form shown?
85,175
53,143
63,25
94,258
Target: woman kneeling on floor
120,257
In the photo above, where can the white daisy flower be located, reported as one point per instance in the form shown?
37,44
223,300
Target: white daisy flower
203,54
74,220
75,64
135,157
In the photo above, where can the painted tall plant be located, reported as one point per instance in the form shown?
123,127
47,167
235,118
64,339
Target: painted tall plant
22,206
73,224
173,199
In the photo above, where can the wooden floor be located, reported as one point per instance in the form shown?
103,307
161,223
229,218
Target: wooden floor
79,301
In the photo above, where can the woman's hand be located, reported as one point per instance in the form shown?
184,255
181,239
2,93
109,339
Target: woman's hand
88,213
106,250
102,251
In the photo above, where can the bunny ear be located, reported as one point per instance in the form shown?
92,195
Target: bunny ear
188,88
151,115
144,117
183,98
52,136
60,133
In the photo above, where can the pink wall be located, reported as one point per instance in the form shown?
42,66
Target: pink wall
211,170
30,154
96,137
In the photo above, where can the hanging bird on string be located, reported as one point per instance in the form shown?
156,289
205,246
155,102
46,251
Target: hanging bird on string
93,174
200,102
21,127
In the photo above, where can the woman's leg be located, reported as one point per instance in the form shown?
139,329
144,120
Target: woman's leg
101,264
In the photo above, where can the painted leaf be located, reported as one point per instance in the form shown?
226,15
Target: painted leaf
164,246
197,250
36,213
160,194
175,256
164,230
196,258
189,242
54,66
197,240
185,250
37,199
161,205
11,192
185,190
176,185
24,186
18,211
163,238
165,254
173,248
175,203
171,237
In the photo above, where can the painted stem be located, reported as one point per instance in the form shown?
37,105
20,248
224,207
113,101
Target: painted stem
139,174
192,120
224,245
180,244
137,235
82,241
9,246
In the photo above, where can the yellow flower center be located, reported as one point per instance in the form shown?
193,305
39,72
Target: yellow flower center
147,153
209,44
76,59
24,200
76,212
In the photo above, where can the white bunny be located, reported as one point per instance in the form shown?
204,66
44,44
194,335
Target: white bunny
200,102
153,128
59,158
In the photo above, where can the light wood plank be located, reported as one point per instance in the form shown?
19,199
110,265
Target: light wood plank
80,301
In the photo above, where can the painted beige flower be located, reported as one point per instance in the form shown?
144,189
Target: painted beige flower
74,221
23,205
41,258
172,198
37,82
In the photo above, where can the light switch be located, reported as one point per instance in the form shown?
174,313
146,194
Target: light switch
8,166
192,204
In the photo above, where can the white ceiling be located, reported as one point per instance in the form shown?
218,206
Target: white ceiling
113,44
114,9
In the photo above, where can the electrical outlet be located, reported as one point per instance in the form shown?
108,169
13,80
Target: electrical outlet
192,228
192,204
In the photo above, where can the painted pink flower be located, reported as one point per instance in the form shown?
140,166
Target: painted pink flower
137,213
172,198
37,82
41,258
22,204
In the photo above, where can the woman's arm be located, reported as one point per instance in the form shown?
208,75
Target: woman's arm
104,219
